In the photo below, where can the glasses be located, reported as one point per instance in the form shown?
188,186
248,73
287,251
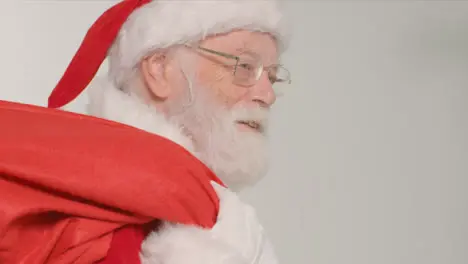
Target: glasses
248,69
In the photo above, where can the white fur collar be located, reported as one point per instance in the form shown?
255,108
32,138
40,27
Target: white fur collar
108,102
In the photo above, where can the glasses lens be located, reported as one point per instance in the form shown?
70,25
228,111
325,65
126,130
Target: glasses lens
280,75
247,71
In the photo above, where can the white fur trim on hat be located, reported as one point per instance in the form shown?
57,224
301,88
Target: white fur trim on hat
163,23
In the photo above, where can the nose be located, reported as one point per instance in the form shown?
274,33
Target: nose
262,92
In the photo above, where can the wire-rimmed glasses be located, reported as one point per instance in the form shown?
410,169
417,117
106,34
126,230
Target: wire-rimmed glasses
248,69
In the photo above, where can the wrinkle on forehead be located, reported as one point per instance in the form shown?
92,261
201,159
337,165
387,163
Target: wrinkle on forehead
260,44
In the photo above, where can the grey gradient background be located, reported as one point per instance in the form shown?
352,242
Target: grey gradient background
370,144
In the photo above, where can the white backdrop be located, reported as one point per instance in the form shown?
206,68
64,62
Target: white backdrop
370,148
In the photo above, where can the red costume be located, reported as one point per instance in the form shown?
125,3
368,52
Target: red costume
70,184
78,189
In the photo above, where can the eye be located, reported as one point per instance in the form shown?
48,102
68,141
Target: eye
247,66
278,74
272,75
272,79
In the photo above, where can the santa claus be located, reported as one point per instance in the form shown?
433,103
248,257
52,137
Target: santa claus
202,75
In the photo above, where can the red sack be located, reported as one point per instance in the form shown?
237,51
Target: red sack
70,183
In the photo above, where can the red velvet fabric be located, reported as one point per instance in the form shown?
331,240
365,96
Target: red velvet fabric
125,246
78,189
92,52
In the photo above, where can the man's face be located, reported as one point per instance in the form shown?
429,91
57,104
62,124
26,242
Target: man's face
216,72
226,118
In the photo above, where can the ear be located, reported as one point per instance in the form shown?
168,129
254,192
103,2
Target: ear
153,70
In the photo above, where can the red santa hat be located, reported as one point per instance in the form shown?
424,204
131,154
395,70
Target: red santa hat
132,29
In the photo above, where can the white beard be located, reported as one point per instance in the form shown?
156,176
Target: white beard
203,127
237,157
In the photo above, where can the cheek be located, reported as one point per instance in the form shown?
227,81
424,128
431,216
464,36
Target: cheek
230,94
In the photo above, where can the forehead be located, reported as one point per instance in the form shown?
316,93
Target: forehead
238,42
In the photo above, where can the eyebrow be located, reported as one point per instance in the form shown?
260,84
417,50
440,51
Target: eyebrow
245,50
